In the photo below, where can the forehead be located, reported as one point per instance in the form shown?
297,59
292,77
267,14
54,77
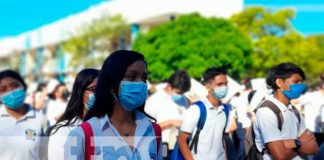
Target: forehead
7,81
138,66
220,78
296,77
94,82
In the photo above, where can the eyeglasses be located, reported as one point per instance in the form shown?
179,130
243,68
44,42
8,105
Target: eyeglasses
92,89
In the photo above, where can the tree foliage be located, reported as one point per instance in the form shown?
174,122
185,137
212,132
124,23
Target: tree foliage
91,44
275,41
194,43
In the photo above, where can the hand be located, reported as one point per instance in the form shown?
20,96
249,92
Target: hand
308,141
307,136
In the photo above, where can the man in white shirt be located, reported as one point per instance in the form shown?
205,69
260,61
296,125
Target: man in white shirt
168,105
210,142
291,140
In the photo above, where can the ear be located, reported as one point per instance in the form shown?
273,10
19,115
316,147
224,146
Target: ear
208,87
279,83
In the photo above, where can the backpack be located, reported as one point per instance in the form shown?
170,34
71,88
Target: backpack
253,152
88,133
176,154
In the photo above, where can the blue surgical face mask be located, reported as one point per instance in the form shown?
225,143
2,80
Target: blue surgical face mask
132,94
14,99
220,92
91,101
295,90
176,97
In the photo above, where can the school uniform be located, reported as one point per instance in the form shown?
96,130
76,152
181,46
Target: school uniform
57,140
23,138
109,144
210,143
266,126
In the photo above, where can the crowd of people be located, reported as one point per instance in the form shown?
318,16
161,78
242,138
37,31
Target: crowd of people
112,114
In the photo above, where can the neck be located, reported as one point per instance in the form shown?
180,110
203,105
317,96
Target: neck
17,113
121,116
214,101
281,97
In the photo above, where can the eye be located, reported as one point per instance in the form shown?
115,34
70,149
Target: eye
131,77
92,89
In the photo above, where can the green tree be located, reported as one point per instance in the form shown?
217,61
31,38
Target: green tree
275,41
91,44
194,43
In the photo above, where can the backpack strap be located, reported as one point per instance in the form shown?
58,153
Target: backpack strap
158,133
88,133
274,109
200,125
294,109
227,108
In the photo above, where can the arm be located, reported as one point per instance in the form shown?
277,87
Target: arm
233,125
279,150
170,123
308,143
183,145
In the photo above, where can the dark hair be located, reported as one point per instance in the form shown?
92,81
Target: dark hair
52,95
14,75
112,73
41,86
75,105
211,73
282,71
180,80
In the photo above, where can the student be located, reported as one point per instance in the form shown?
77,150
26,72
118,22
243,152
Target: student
210,143
22,128
168,105
82,99
293,140
120,127
57,102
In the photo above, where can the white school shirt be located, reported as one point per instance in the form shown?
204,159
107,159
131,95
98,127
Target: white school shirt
266,126
161,107
23,138
313,102
110,145
210,143
57,140
55,108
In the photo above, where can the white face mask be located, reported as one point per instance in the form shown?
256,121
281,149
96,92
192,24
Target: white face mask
220,92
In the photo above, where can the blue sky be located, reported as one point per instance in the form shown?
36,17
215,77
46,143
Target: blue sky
309,13
17,16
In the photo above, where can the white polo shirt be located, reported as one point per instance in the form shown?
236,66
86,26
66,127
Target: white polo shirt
266,126
23,138
210,143
110,145
57,140
161,107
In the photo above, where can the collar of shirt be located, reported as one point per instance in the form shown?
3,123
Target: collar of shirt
30,113
142,122
211,107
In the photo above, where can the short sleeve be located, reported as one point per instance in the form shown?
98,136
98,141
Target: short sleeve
266,125
190,119
74,145
150,107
